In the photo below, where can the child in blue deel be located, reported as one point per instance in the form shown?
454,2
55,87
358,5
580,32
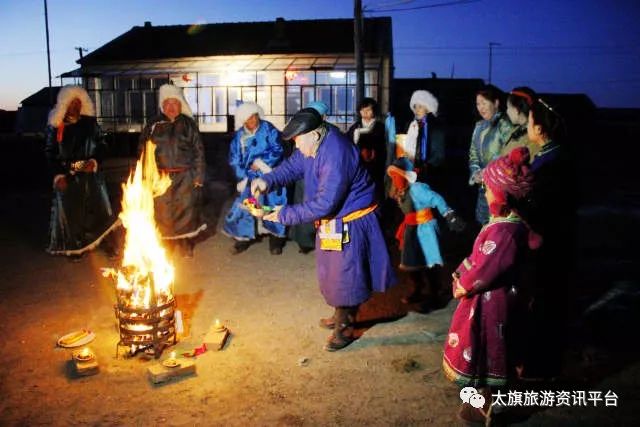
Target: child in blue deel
418,233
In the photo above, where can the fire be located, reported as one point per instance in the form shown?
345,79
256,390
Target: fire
145,305
146,272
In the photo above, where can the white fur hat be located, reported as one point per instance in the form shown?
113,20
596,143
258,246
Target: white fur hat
246,110
426,99
65,96
172,91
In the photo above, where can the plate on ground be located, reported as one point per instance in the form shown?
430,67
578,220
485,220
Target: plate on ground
83,336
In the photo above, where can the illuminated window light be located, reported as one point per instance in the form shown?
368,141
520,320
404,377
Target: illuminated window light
338,74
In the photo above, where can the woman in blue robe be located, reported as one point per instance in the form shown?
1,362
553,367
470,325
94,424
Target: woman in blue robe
254,151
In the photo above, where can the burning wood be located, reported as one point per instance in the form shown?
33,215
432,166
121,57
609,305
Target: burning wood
145,305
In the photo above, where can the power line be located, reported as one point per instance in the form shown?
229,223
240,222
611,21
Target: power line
428,6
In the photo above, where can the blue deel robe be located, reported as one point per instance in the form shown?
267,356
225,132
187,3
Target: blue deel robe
264,144
336,184
424,197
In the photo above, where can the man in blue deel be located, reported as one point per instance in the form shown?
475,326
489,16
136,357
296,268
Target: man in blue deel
351,255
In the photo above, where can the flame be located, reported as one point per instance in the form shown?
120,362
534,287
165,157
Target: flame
145,270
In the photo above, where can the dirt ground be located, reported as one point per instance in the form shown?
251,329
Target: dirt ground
272,371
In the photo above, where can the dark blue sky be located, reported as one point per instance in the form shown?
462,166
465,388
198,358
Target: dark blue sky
551,45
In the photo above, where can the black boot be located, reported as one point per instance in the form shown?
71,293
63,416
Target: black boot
417,282
343,329
276,244
439,295
240,246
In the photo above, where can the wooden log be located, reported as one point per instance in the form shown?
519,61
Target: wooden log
159,373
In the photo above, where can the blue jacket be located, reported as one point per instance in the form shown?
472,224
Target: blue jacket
264,144
335,183
424,197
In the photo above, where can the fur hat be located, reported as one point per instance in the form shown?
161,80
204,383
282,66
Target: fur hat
172,91
65,96
246,110
404,168
509,176
426,99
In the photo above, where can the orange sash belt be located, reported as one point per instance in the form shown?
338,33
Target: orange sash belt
413,218
352,216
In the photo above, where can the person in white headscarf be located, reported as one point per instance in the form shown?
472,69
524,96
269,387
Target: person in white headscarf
424,142
179,153
256,148
81,213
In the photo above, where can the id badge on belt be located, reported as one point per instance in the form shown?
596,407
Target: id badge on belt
332,234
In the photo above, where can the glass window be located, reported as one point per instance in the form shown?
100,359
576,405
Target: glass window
308,95
293,99
370,77
183,79
270,78
294,77
331,77
209,79
150,104
234,99
191,96
135,101
248,94
323,93
125,83
263,98
277,100
144,83
106,104
205,101
106,83
220,102
159,81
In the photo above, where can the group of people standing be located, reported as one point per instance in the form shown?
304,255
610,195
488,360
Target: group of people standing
334,184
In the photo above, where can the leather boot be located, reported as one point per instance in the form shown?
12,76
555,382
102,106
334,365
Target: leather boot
343,329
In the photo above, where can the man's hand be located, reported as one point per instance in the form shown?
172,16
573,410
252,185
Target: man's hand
258,186
241,185
273,216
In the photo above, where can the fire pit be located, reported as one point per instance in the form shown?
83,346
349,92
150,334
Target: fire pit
145,306
146,329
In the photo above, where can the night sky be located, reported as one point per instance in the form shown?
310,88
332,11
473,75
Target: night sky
590,47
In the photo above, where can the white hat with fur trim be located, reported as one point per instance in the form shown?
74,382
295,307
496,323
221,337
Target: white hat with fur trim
426,99
65,96
172,91
246,110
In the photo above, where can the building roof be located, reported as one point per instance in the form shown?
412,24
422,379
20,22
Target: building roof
321,36
41,97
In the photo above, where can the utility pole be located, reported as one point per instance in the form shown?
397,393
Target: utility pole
80,50
491,45
358,49
46,25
